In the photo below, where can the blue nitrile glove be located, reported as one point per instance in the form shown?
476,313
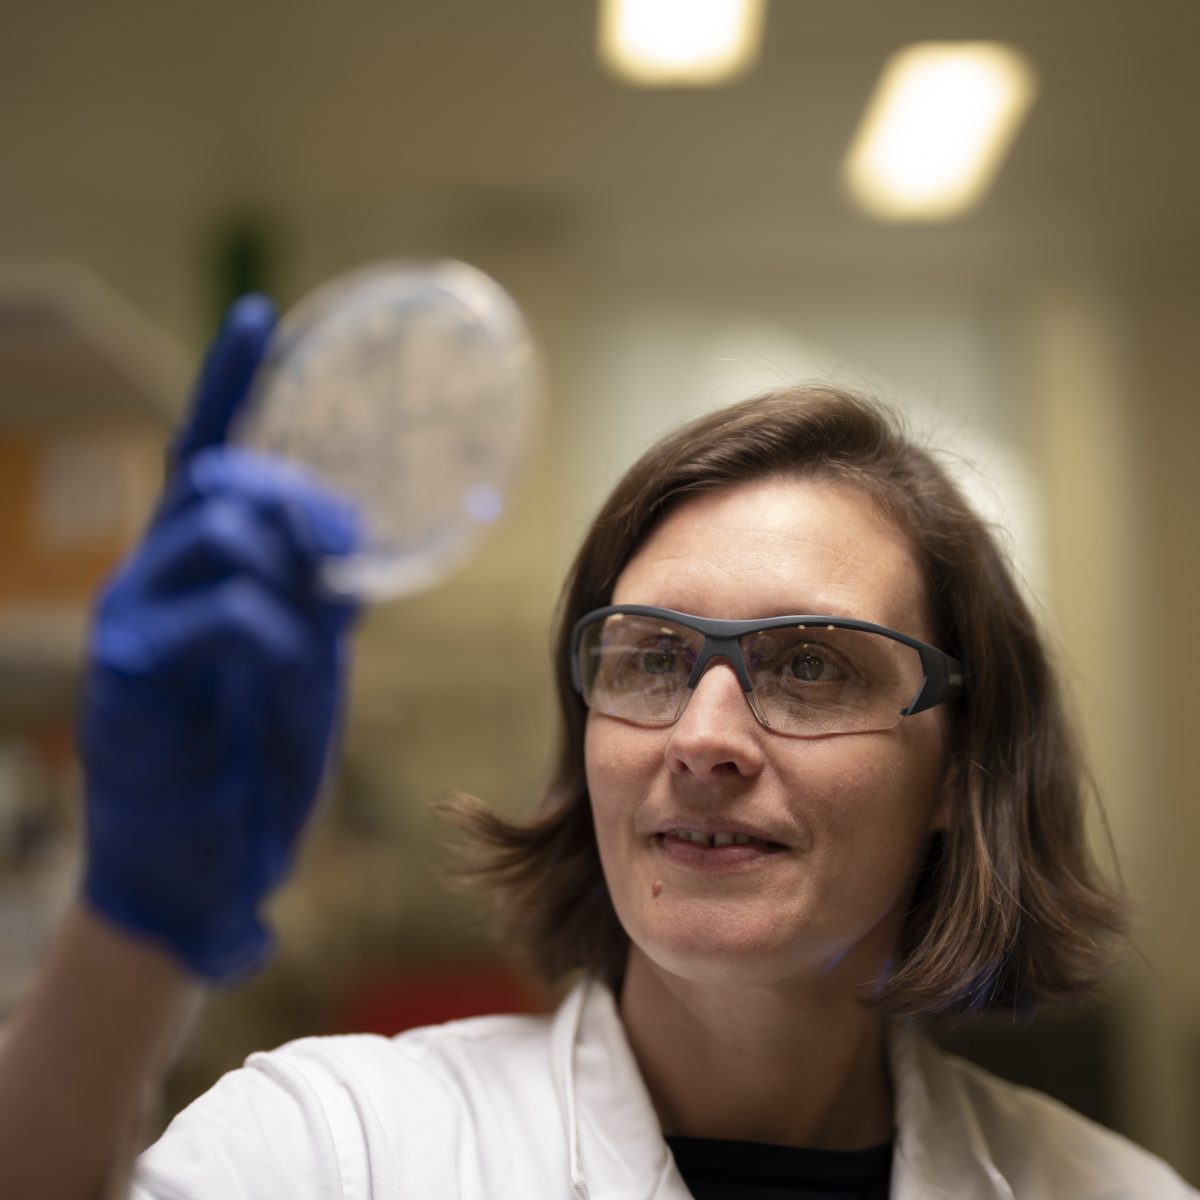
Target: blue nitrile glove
214,683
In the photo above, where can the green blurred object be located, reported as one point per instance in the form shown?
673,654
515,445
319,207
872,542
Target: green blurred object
244,259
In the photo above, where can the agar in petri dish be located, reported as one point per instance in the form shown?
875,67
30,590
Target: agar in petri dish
414,388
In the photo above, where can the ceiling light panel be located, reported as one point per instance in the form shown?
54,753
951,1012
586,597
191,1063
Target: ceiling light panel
673,43
937,129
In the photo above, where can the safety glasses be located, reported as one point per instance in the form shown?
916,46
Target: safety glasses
803,676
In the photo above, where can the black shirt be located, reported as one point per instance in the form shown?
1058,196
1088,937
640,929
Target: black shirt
716,1169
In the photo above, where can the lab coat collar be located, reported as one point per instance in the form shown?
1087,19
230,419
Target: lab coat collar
617,1149
940,1151
616,1144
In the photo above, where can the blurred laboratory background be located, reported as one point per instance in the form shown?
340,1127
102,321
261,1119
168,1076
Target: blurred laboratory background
689,207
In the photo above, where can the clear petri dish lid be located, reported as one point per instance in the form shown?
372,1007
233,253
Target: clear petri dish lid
415,389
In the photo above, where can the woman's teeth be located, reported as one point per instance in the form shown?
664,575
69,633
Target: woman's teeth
711,840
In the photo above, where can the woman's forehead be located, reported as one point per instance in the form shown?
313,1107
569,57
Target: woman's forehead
777,546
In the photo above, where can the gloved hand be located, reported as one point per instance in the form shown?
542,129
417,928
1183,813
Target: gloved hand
214,683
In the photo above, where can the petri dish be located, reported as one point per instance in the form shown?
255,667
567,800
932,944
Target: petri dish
415,389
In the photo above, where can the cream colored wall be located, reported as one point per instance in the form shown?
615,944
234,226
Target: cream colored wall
1163,411
1106,431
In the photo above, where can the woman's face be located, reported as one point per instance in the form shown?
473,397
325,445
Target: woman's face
851,812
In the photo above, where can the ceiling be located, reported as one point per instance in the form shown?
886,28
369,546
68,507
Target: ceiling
475,118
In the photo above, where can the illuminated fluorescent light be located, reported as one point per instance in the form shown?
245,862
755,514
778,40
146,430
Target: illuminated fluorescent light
937,128
659,43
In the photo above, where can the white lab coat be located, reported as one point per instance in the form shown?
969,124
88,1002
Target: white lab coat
543,1108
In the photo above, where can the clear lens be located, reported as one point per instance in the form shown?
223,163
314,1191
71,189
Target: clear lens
637,667
825,679
807,680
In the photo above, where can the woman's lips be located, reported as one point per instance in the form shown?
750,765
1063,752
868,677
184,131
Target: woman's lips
686,851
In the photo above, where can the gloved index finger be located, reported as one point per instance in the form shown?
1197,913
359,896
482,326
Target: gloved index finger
224,383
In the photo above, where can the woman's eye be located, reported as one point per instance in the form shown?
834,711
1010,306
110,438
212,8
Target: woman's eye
811,667
657,662
659,656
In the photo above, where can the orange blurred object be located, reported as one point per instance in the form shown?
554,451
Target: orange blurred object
390,1002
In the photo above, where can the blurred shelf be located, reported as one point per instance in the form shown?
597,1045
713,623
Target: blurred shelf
73,352
41,653
89,388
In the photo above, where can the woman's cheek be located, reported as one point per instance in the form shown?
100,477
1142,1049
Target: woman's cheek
613,782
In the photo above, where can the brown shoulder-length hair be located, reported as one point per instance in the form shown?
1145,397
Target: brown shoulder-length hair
1009,909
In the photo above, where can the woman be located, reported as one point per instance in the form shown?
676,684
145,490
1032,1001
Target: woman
815,783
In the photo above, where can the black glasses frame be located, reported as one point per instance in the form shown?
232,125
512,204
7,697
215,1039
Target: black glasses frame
943,675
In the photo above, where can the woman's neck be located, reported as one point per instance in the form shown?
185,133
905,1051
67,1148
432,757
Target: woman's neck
788,1066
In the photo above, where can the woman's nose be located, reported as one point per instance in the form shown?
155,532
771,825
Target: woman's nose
717,732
